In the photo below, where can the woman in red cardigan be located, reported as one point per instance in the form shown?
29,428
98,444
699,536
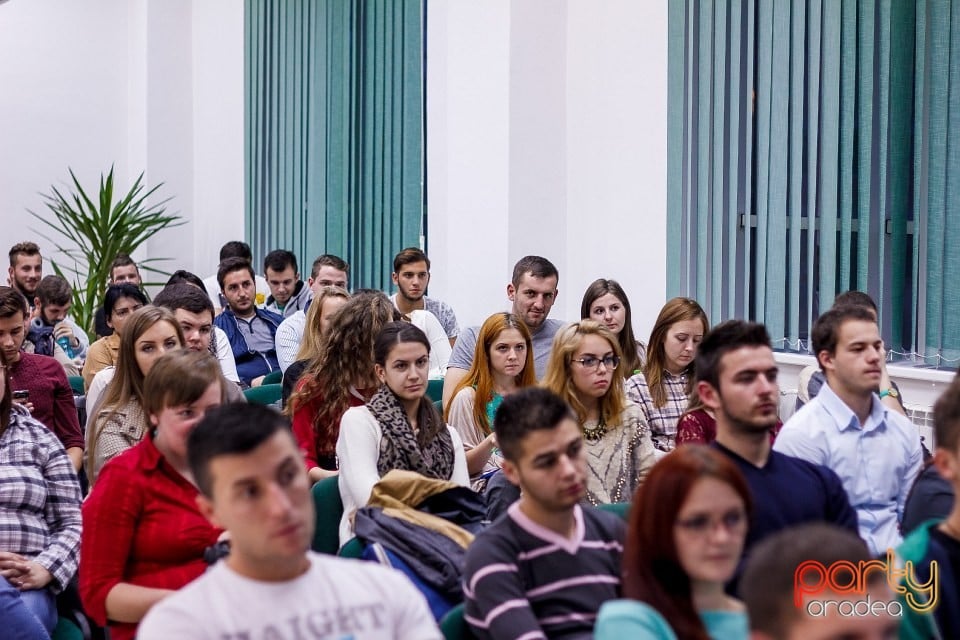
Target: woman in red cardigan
143,535
342,376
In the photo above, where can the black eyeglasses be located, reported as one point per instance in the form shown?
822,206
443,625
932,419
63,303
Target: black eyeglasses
592,362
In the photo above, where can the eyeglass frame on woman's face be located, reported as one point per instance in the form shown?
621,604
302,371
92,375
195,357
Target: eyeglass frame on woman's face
733,522
592,362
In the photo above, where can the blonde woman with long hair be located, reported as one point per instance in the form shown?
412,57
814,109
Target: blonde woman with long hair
502,364
581,370
324,306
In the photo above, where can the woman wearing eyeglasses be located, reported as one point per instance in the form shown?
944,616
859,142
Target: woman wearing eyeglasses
684,540
581,370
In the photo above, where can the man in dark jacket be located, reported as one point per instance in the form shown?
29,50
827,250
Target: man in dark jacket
251,331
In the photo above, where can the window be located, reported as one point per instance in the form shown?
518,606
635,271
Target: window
809,154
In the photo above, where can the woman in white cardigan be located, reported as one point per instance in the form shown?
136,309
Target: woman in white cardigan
398,428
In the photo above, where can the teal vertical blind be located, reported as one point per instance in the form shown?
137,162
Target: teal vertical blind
334,130
812,150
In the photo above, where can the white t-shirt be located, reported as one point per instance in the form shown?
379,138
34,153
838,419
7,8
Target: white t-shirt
335,598
439,343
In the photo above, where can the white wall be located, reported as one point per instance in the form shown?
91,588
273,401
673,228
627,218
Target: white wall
546,125
545,122
147,85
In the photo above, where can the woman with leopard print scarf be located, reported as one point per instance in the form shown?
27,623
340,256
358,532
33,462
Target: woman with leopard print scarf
398,428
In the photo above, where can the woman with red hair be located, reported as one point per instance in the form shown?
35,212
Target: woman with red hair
684,540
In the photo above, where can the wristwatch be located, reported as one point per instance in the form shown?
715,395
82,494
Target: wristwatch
893,393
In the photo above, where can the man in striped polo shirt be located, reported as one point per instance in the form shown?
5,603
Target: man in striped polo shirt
543,569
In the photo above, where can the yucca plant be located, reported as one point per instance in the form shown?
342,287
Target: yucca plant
97,232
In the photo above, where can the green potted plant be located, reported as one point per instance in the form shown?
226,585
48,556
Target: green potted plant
99,230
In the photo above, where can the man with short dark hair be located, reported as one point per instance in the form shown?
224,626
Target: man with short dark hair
411,274
38,382
811,378
736,378
287,291
790,595
327,271
26,269
544,568
234,249
250,331
123,270
194,312
533,292
253,483
875,451
51,324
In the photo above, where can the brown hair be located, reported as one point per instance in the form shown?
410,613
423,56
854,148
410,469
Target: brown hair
23,249
345,360
628,342
179,378
12,301
676,310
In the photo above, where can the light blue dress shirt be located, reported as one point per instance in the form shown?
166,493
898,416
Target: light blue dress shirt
877,461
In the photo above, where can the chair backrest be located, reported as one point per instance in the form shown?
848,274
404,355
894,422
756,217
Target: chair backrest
265,394
435,390
76,384
274,377
329,508
621,509
454,627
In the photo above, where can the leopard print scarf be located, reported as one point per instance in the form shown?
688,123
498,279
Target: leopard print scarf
398,445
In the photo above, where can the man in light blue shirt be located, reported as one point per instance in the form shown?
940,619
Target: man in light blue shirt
875,451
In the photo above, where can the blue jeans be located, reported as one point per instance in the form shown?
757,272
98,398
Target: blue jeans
27,615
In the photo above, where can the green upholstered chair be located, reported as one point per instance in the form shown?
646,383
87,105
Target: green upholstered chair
274,377
266,394
454,627
329,508
66,630
435,390
76,383
621,509
326,533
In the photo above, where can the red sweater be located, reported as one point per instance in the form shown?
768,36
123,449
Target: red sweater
305,434
141,525
50,394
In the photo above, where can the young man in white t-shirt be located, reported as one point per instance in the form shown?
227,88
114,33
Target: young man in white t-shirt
253,483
